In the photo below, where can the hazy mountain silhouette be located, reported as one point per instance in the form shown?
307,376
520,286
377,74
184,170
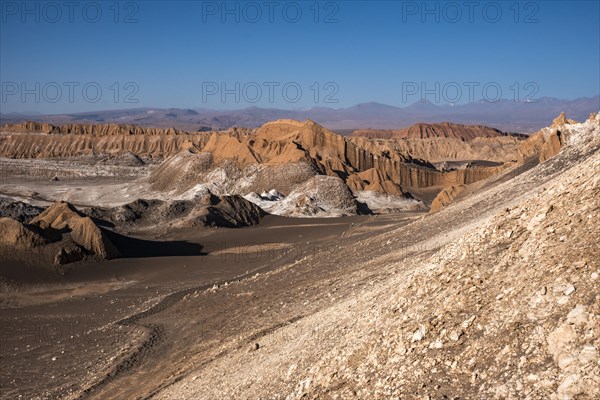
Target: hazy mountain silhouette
506,115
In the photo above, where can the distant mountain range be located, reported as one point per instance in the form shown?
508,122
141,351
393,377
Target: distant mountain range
505,115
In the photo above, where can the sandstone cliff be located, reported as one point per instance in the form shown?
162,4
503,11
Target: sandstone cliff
67,146
87,129
360,163
435,130
263,155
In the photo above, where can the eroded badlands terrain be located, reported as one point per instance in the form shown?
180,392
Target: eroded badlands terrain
439,261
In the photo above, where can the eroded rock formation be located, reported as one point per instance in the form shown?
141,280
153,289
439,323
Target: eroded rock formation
62,217
435,130
445,197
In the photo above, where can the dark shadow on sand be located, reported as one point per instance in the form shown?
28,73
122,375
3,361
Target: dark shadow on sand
102,223
140,248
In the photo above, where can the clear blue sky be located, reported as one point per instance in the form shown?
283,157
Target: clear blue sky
178,54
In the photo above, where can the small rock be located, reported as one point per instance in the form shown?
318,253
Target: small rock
535,221
569,289
578,315
569,388
254,347
564,360
588,354
419,334
467,323
291,370
455,335
558,339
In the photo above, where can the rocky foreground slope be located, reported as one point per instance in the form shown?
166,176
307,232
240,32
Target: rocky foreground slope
496,296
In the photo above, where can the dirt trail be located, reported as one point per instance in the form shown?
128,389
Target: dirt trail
155,333
164,340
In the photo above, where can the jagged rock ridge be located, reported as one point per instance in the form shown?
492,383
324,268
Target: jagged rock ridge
436,130
284,154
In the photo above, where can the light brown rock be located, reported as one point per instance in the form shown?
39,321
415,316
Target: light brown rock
446,197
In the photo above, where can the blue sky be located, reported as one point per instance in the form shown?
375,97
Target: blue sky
109,55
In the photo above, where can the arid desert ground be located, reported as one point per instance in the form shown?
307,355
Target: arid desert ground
287,262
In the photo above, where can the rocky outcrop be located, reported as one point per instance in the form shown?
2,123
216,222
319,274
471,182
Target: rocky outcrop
67,146
204,210
87,129
18,210
446,197
61,232
62,217
437,130
231,212
546,143
325,193
17,234
374,181
253,158
562,120
551,145
319,195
